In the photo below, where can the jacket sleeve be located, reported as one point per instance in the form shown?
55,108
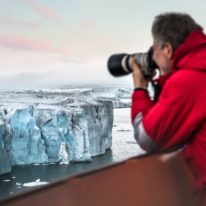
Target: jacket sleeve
166,124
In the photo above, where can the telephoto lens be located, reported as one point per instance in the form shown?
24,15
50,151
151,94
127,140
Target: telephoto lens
119,64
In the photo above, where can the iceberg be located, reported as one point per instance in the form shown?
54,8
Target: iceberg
5,145
27,144
52,128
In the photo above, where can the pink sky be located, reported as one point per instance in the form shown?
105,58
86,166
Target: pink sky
70,41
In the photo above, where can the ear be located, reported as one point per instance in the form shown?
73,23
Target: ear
168,50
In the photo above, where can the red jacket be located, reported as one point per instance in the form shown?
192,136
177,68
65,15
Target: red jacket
179,116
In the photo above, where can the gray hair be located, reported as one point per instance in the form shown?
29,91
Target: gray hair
173,28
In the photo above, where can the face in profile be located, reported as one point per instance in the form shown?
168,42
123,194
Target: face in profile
162,55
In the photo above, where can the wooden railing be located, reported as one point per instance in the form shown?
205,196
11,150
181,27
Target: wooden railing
156,180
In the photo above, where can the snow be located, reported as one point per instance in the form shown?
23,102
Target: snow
124,144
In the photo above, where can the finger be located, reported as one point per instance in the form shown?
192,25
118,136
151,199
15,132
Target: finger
134,64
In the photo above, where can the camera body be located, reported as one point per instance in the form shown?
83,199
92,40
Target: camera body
119,64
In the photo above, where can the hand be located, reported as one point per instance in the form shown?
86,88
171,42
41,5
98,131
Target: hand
138,76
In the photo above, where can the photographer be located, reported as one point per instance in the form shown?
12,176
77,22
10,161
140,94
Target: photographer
178,117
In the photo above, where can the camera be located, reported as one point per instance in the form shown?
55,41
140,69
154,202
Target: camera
119,64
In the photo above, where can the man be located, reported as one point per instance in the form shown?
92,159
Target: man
178,117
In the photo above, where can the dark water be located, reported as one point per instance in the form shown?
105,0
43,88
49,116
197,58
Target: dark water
48,173
124,147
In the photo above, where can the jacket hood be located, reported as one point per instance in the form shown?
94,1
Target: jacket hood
191,54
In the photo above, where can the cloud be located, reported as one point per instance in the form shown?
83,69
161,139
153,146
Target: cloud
87,24
73,59
23,80
26,80
13,22
15,42
42,9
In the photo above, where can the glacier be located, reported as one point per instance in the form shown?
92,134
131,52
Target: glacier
5,145
56,126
